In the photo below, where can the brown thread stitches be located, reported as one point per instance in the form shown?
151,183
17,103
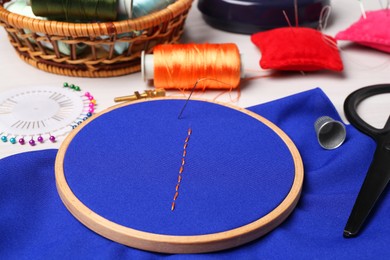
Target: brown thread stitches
181,169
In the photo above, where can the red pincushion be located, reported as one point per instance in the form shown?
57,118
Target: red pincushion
297,48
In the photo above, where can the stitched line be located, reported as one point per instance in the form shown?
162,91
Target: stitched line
181,169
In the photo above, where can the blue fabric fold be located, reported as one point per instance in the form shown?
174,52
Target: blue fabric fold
34,223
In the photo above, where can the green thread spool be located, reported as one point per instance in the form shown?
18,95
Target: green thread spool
99,10
76,9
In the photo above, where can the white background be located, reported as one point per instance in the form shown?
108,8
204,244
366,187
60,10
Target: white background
362,66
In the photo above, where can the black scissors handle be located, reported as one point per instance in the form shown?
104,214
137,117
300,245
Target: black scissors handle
378,174
352,102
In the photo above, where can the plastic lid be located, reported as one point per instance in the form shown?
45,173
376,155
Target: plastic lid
250,16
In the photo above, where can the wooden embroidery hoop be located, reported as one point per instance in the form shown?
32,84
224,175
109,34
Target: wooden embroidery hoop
180,244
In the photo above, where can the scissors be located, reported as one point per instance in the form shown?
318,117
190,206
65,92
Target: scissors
378,174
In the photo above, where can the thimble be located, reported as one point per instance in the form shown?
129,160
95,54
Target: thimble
330,133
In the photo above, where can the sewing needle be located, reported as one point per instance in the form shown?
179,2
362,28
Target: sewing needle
185,104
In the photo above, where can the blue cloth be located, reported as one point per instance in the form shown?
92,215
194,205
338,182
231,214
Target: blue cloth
35,224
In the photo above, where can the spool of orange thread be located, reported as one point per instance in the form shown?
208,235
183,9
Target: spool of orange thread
180,66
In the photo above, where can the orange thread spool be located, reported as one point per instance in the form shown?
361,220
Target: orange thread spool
180,66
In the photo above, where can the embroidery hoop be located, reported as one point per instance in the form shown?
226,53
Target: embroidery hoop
172,243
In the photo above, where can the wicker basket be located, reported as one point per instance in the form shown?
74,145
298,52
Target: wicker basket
98,58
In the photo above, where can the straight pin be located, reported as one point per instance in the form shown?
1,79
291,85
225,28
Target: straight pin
288,20
380,3
296,12
362,9
387,4
324,17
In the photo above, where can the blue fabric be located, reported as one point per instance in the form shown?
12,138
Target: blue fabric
35,224
127,170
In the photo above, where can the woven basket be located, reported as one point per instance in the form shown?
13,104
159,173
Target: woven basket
98,58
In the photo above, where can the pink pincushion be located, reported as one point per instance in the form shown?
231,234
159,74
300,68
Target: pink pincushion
372,31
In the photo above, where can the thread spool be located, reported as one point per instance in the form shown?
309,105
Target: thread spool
125,8
138,8
143,7
76,9
23,7
96,9
179,66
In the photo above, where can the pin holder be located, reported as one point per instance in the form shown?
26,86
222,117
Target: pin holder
38,115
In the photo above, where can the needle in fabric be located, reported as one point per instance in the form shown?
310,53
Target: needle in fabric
185,104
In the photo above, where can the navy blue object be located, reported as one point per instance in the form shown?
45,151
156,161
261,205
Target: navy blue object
250,16
378,175
34,224
235,166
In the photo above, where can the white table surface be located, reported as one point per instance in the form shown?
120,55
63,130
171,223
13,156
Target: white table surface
362,66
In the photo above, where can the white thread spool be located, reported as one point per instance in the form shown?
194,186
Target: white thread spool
125,8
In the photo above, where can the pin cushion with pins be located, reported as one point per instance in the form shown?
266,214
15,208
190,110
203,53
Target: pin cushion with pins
95,48
36,115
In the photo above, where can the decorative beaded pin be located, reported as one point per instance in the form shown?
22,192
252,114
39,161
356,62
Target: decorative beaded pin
35,115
